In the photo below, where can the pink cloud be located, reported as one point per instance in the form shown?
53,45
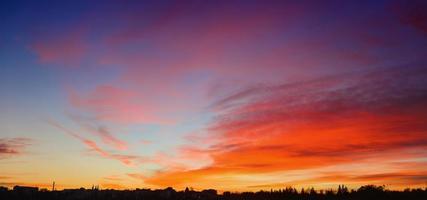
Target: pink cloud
145,142
110,103
68,49
13,146
219,46
129,160
107,137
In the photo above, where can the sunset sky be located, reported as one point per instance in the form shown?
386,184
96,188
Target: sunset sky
230,95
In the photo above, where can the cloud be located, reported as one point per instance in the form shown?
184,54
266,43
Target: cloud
412,13
312,94
325,122
116,186
113,178
182,160
113,104
10,147
137,176
108,138
421,178
100,131
64,49
145,142
394,180
129,160
260,44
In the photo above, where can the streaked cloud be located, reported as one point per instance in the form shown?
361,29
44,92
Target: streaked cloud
92,146
324,122
10,147
221,94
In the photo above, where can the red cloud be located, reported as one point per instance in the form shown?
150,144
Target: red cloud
412,13
321,123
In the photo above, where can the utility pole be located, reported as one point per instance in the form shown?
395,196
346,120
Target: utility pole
53,186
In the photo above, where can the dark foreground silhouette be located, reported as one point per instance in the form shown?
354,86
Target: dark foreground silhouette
363,193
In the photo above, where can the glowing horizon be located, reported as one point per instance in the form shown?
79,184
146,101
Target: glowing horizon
229,95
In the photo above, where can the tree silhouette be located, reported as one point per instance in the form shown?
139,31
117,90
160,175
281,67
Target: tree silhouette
366,192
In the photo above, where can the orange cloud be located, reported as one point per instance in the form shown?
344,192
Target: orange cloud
398,180
113,178
321,123
137,176
111,185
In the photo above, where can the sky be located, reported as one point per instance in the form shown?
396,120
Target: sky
231,95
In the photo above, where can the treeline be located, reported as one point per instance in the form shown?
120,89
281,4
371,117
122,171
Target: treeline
363,193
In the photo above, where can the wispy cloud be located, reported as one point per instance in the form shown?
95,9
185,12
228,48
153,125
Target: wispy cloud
137,176
325,122
290,86
68,49
13,146
108,138
117,105
101,132
129,160
113,178
412,13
